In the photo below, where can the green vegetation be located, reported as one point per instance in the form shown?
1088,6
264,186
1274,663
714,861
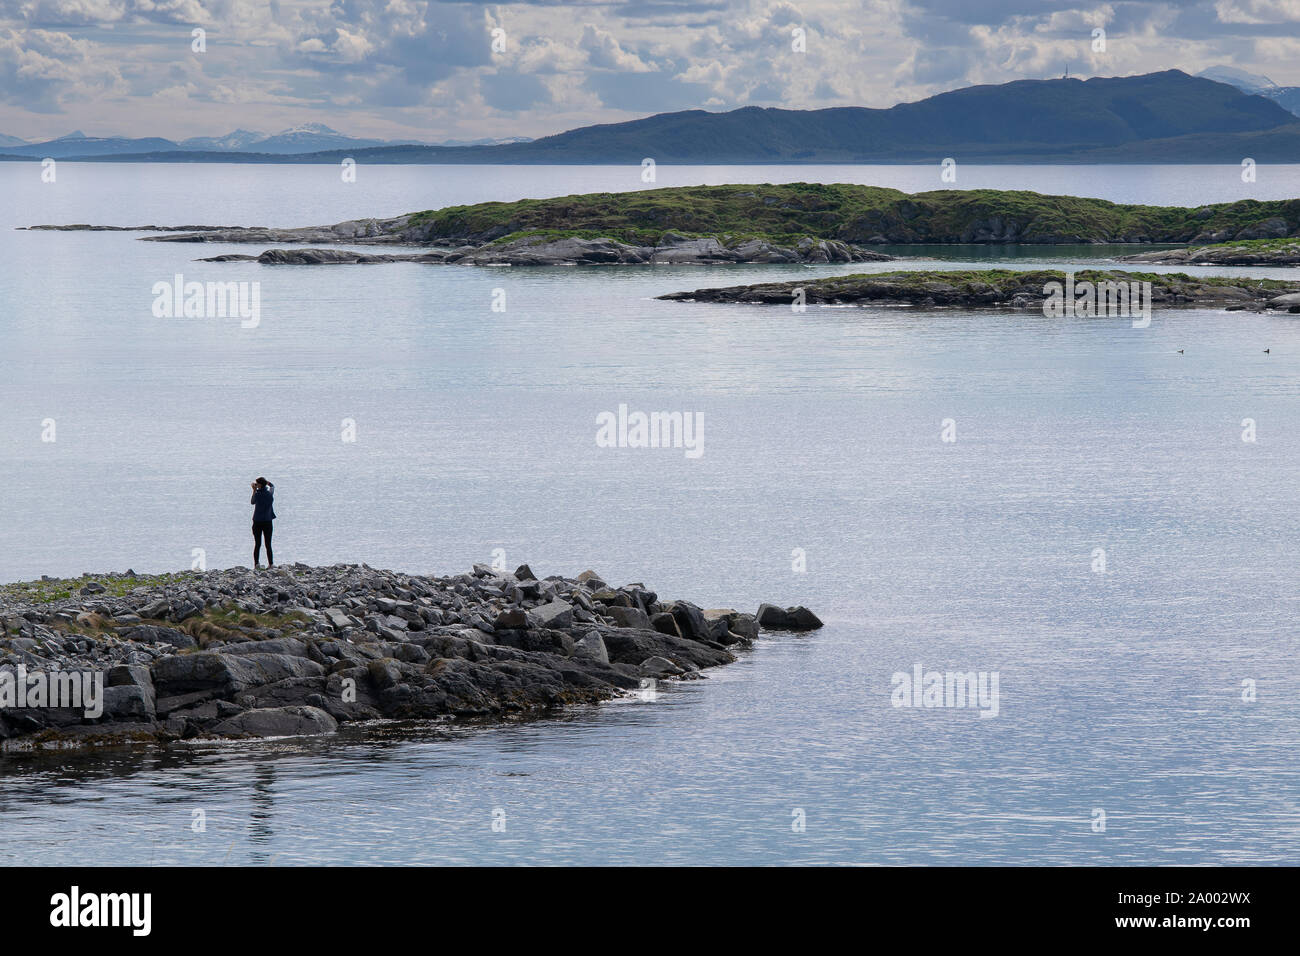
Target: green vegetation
227,623
852,213
63,589
212,624
233,624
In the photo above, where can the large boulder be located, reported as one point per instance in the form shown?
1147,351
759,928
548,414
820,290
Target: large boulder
690,621
340,618
665,623
511,618
300,721
591,645
226,673
628,645
384,672
290,646
628,616
798,618
659,667
555,614
122,675
592,580
130,702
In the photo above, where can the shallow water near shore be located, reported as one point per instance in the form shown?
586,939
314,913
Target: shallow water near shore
1119,691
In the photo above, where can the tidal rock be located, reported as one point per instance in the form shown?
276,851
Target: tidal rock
659,667
300,721
129,702
799,618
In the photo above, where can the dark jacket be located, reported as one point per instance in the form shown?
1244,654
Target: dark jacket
261,502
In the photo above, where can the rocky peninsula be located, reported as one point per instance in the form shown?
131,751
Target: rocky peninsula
1006,288
1249,252
542,249
782,223
300,650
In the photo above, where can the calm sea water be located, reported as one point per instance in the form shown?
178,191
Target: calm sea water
475,429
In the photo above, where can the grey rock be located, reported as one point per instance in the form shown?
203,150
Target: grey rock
659,667
290,646
384,673
799,618
665,623
155,634
591,645
129,702
296,721
338,617
124,675
207,670
556,614
690,621
629,617
514,617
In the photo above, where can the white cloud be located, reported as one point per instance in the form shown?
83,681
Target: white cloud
403,68
606,53
1258,11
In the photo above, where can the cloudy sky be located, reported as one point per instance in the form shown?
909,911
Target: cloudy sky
428,70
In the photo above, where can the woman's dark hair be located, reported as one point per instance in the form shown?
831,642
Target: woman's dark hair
261,482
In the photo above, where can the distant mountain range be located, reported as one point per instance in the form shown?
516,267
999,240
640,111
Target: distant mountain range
1167,117
1287,97
307,138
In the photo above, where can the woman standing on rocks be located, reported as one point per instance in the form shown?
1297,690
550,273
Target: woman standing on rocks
263,515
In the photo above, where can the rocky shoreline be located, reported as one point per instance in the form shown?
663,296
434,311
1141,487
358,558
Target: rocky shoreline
672,249
300,650
1005,289
1249,253
530,249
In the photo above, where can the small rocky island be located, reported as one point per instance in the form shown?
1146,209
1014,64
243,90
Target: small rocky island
299,650
1248,252
791,223
1006,288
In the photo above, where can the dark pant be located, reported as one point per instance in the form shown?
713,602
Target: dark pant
262,531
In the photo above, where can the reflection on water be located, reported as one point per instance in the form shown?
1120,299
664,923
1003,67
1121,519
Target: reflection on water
713,771
1120,691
